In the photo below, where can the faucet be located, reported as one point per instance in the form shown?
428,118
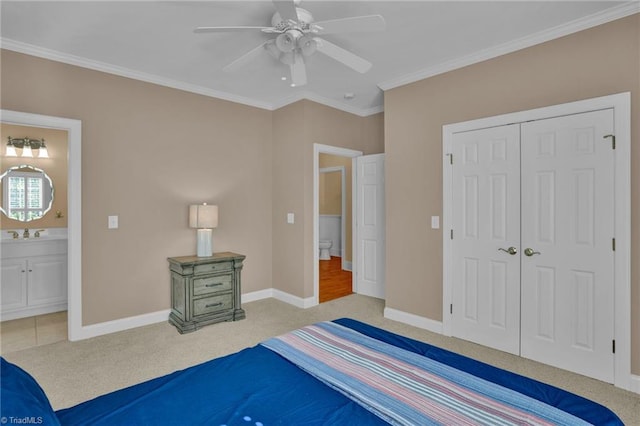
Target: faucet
14,234
37,233
25,234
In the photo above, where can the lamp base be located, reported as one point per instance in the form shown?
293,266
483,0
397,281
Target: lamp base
204,247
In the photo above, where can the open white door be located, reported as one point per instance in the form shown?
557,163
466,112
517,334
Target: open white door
370,225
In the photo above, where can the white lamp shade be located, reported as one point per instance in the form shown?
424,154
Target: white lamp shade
26,151
43,152
203,216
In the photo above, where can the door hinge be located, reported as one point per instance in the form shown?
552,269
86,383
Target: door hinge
613,244
452,234
613,346
613,140
451,309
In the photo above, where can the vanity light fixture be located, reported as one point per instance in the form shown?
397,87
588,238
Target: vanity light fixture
203,217
27,145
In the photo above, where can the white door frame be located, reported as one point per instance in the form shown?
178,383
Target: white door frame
343,152
621,103
74,207
343,211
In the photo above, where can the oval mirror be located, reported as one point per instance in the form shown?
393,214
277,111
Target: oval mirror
27,193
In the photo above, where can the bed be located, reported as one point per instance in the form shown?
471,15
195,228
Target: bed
329,373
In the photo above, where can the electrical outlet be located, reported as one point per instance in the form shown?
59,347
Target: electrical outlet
113,222
291,218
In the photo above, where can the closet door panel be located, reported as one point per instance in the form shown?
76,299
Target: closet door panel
567,223
486,218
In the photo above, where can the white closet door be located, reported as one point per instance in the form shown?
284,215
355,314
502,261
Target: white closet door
486,219
567,221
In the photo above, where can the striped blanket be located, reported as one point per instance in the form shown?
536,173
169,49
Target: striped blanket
405,388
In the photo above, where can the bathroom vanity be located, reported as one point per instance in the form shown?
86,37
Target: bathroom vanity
33,276
205,290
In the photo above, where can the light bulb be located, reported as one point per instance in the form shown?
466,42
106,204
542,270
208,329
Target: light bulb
286,42
307,44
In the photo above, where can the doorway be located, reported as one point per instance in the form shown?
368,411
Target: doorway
334,224
338,271
73,208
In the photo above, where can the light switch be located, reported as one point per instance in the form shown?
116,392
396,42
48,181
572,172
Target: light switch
113,222
435,222
290,218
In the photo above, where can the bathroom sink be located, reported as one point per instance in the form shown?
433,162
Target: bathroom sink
34,239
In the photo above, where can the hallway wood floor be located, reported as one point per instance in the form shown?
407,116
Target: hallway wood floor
334,282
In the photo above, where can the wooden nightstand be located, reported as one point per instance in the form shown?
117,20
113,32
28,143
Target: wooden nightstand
205,290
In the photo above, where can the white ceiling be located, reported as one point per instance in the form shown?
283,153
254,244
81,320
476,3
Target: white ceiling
154,41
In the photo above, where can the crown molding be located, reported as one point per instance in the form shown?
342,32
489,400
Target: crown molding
311,96
54,55
616,12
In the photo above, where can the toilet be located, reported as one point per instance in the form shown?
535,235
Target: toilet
324,246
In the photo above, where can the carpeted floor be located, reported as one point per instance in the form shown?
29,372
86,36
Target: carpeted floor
74,372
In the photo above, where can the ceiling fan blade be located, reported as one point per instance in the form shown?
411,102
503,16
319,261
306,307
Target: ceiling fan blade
286,9
349,59
245,59
229,29
298,70
367,23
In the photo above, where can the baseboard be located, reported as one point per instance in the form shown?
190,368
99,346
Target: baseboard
634,384
279,295
296,301
414,320
257,295
94,330
347,265
33,311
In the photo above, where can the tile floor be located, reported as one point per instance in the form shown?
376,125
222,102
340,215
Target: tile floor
25,333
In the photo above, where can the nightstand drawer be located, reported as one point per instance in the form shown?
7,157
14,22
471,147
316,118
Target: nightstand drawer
212,284
212,267
209,305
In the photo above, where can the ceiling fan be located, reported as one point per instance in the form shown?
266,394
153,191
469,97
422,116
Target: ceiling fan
298,38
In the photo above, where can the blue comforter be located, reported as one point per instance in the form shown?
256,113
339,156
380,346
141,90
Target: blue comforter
258,387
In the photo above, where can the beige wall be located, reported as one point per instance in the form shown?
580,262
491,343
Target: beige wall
55,167
330,193
150,151
296,128
600,61
328,160
147,153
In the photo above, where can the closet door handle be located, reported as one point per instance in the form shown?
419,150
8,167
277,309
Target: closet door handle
530,252
511,250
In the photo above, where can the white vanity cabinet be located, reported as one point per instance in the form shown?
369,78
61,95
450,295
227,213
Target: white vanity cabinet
33,277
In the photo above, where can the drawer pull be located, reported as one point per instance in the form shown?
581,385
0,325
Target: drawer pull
213,285
213,305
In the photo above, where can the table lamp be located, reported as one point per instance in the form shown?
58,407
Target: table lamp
203,217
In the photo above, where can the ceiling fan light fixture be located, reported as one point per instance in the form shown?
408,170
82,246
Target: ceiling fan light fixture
307,44
287,42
